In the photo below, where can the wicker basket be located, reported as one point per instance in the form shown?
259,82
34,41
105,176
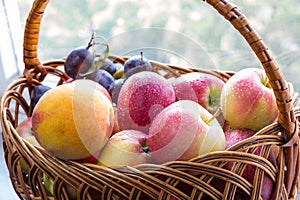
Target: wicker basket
151,181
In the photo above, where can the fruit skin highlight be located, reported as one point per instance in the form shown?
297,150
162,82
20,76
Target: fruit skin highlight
248,101
73,120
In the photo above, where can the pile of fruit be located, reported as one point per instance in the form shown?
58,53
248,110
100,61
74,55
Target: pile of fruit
113,115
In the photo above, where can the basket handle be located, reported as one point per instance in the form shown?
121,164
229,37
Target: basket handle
281,88
31,34
231,13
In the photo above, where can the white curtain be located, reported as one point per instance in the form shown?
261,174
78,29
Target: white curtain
10,68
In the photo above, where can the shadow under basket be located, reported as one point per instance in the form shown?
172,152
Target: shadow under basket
203,177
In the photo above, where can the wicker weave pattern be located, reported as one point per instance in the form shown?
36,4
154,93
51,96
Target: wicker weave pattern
151,181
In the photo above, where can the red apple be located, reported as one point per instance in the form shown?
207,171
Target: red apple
25,131
234,136
91,159
202,88
141,98
248,101
183,131
128,147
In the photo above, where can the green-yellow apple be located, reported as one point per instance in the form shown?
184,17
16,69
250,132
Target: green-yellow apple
128,147
70,191
182,131
202,88
49,185
74,120
248,101
48,182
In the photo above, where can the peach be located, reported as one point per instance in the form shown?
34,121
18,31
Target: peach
73,120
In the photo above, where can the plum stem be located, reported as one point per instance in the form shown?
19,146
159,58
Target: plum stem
142,61
215,115
91,41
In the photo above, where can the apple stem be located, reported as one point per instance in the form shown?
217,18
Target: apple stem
145,148
215,115
265,81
